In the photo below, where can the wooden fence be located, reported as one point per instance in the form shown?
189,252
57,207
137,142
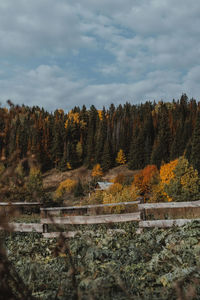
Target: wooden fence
169,209
84,209
6,207
140,217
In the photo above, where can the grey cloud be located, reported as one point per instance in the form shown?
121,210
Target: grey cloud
39,28
51,87
155,46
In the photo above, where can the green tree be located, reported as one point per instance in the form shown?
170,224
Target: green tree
185,185
93,114
106,159
195,151
136,155
101,136
161,148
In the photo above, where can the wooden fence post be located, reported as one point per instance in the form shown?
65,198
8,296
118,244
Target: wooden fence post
45,228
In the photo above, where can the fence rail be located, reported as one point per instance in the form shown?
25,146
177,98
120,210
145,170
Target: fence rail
99,219
23,227
169,205
165,223
45,211
19,204
139,217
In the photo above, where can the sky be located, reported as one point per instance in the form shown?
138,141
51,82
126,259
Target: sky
58,54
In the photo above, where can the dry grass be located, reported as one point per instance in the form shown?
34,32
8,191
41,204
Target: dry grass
54,177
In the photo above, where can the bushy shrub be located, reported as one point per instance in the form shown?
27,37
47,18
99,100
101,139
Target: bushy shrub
67,185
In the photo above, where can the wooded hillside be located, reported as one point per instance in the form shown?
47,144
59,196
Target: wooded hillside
149,133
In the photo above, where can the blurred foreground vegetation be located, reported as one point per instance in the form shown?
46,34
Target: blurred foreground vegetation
157,264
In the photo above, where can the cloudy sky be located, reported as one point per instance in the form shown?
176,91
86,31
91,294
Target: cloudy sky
58,54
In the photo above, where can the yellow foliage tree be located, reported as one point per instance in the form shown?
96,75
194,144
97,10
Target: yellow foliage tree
167,171
97,171
178,182
67,185
68,165
100,115
121,158
185,186
115,188
166,175
74,118
117,193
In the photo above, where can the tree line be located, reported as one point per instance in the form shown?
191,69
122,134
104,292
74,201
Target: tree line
147,133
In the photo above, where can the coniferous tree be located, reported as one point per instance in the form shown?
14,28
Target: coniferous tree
195,144
148,139
136,155
100,137
161,148
176,149
91,136
57,143
106,159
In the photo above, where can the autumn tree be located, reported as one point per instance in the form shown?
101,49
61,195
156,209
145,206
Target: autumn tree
121,158
145,179
97,171
185,185
67,185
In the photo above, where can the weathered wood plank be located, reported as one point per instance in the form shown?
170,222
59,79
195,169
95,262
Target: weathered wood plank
20,204
71,234
99,219
88,206
165,223
169,205
24,227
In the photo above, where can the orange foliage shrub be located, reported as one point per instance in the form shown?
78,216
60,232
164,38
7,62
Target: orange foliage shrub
144,179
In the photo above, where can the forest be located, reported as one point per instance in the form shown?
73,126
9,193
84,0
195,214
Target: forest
143,134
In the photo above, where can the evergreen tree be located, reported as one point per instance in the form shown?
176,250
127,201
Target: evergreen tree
195,151
148,138
91,136
161,148
106,160
136,155
100,137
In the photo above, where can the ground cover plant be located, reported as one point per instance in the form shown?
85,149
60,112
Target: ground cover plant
157,264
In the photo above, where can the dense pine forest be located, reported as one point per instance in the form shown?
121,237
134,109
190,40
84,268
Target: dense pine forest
148,133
